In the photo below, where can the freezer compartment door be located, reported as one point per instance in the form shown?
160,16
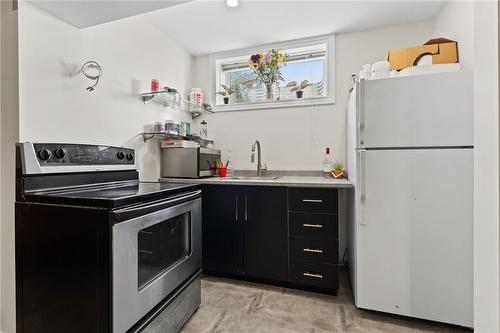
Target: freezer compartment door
415,233
420,111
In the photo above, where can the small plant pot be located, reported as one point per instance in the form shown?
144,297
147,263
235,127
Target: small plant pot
299,93
222,172
338,173
226,100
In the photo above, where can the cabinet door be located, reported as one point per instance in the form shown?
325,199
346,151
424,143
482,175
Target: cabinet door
265,233
222,229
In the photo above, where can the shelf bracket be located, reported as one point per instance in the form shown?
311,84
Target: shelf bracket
146,99
147,137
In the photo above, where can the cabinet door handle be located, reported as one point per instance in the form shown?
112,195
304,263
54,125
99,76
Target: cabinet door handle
308,225
236,207
246,208
312,200
312,250
317,276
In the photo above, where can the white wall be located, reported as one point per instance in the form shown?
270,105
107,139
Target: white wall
295,138
8,136
54,105
1,188
455,21
486,176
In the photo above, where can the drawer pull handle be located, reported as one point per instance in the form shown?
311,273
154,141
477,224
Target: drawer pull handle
308,225
313,250
317,276
312,200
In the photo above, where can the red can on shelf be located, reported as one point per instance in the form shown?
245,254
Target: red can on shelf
155,85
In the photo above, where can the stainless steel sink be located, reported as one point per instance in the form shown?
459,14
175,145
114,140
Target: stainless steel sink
254,177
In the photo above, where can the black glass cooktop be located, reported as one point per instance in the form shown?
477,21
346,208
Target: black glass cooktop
110,195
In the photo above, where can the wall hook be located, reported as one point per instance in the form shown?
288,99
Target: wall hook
92,71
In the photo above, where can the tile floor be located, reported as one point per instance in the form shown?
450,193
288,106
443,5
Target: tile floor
231,306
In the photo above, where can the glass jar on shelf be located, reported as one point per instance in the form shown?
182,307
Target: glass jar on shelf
196,98
204,130
172,127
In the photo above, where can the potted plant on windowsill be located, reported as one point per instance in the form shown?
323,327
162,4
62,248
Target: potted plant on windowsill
227,91
298,88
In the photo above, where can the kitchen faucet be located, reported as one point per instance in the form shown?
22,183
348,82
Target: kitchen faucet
259,159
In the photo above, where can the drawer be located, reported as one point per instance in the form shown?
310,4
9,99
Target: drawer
313,200
314,249
313,225
312,274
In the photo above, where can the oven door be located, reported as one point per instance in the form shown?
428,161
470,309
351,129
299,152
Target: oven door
152,255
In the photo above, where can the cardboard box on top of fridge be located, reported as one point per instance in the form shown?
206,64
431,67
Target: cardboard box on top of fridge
443,51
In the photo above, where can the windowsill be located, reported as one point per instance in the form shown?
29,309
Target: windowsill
274,105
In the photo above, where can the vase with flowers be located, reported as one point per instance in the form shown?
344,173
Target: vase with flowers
267,67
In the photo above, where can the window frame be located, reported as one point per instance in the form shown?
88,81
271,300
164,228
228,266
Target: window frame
329,68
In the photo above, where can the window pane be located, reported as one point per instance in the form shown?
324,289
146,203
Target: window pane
242,93
310,70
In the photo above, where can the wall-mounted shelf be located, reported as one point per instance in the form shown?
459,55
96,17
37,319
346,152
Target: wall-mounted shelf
163,135
167,98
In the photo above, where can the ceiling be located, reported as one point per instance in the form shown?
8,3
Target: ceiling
86,13
208,26
205,26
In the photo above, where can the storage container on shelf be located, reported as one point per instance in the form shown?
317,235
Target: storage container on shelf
159,127
172,127
196,97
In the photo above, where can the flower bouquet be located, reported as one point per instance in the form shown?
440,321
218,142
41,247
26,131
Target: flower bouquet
267,67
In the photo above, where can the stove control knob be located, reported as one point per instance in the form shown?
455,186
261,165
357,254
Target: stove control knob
59,153
120,155
44,154
130,157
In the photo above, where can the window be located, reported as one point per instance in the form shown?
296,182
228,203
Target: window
309,60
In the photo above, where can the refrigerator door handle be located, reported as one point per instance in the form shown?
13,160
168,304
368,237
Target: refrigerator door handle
361,119
362,185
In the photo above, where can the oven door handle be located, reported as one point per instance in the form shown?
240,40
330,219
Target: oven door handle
123,214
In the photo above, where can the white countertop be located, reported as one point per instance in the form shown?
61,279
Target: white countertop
286,181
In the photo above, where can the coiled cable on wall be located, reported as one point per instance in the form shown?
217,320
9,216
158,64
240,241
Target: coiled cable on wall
92,71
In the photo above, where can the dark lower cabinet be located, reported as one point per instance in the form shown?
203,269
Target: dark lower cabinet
276,234
313,242
222,230
314,249
322,277
265,254
245,231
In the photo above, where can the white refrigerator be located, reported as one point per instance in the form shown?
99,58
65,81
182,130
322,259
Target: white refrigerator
410,230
